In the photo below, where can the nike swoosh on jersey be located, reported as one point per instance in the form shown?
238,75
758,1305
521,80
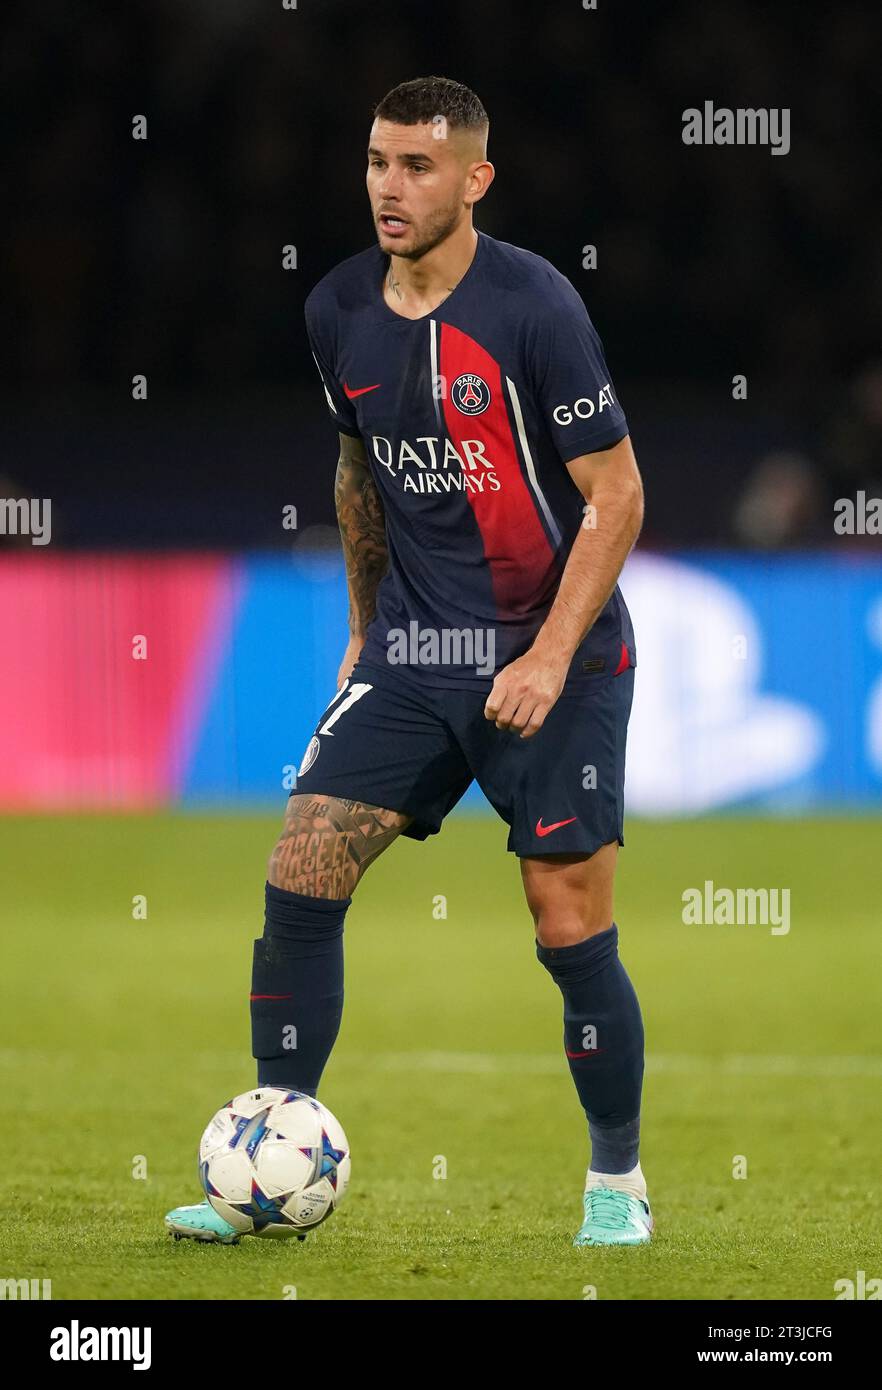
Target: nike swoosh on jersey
547,829
352,392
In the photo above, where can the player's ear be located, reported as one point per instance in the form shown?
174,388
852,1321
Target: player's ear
481,175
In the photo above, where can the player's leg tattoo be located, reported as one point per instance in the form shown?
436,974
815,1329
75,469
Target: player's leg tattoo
328,843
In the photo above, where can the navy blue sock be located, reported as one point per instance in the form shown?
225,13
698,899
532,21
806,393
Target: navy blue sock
297,988
603,1039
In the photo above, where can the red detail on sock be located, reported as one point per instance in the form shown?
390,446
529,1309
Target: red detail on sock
593,1053
271,996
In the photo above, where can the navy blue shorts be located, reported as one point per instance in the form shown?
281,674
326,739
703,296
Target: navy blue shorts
389,740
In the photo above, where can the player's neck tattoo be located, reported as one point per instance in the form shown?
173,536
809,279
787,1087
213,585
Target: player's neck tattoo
395,285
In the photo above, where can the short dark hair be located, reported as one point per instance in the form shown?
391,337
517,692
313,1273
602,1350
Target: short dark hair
424,98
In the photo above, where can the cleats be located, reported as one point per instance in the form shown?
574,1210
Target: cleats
614,1218
201,1222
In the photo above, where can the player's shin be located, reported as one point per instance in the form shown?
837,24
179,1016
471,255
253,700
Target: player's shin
603,1039
297,988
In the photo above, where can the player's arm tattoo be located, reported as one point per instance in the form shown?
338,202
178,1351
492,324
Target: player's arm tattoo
327,843
363,531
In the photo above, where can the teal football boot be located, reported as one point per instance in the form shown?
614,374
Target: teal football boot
201,1222
614,1218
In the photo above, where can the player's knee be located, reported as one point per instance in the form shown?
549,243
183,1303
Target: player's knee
570,897
558,919
563,919
556,927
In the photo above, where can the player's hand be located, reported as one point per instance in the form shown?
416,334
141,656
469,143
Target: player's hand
524,692
350,656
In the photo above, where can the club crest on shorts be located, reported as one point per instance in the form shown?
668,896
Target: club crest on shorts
470,394
309,757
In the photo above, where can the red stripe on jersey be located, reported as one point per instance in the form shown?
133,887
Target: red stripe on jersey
522,564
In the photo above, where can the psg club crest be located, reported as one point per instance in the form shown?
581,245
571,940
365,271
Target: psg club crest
309,757
470,394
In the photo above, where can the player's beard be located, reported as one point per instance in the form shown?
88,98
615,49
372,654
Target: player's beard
432,232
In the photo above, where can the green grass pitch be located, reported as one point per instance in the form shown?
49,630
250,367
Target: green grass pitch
122,1036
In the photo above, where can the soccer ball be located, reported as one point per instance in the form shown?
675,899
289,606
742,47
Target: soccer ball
274,1162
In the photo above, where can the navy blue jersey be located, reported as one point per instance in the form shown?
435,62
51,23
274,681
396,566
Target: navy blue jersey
468,416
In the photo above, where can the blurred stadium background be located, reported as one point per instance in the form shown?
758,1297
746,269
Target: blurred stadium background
759,629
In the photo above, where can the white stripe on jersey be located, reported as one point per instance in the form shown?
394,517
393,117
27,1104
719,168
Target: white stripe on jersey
433,363
331,406
528,460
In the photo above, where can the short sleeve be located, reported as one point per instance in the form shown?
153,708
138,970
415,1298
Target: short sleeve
340,407
572,384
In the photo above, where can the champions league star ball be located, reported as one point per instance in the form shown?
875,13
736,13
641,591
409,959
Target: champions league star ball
274,1162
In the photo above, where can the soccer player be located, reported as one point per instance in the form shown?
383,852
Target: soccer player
488,496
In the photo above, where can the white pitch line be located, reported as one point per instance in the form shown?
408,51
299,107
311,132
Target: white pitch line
478,1063
670,1063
